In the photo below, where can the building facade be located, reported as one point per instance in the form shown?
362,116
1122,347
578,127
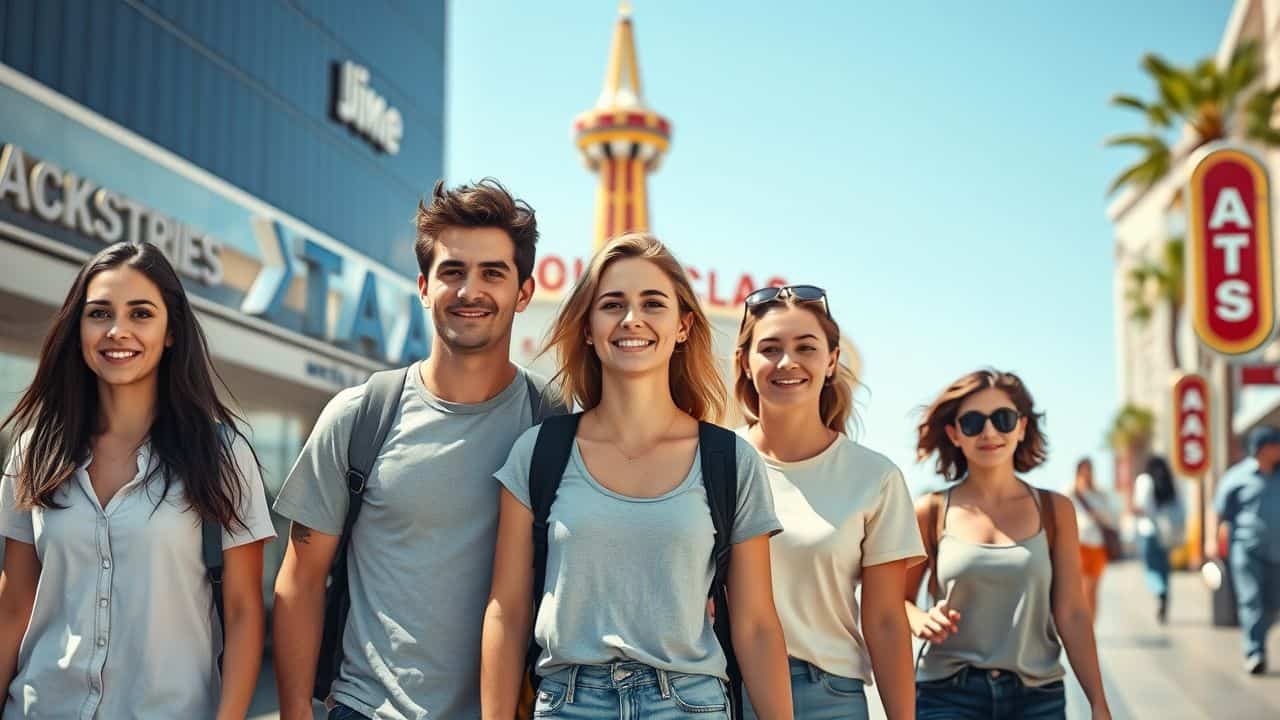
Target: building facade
1153,351
275,150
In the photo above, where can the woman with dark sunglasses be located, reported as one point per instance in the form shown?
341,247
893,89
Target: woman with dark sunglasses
845,511
1005,581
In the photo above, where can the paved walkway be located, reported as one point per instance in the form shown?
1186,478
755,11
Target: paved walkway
1186,670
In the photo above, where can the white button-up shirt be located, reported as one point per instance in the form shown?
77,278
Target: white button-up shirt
123,624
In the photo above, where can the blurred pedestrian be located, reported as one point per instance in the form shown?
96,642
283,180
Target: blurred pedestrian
1248,507
1005,565
845,511
129,477
629,496
1160,520
400,639
1096,521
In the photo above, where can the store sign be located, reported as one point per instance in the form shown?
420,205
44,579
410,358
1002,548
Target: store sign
1191,426
357,105
49,193
1230,271
1260,375
554,274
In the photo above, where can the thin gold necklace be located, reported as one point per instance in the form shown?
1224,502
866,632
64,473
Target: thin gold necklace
654,446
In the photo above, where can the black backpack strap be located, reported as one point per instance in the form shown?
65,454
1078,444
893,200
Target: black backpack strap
551,454
211,550
374,418
718,448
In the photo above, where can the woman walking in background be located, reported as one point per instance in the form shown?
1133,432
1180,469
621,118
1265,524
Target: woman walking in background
1095,520
1005,561
845,511
125,457
1159,514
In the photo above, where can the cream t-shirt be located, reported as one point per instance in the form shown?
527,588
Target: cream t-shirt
843,509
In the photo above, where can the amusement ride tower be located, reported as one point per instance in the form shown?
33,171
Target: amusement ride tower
621,139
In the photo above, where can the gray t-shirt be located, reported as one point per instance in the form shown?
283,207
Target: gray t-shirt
421,554
627,578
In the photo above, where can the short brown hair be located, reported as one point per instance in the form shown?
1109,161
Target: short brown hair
932,434
483,204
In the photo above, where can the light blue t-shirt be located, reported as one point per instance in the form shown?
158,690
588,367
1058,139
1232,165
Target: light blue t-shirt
1250,502
627,578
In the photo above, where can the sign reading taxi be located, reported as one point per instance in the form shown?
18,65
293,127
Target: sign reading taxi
1229,256
1190,426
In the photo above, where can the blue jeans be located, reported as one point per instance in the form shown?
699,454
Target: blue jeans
1257,586
819,695
342,712
1156,557
978,694
630,690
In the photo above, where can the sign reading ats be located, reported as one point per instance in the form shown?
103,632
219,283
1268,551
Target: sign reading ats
1229,255
1190,426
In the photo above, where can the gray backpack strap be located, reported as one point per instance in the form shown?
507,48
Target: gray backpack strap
540,406
377,413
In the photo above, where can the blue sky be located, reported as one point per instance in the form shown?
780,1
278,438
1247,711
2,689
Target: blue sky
938,167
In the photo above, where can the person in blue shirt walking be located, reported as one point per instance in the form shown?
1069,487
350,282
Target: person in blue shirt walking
1248,507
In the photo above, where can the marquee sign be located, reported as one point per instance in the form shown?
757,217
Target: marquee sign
1190,426
1229,256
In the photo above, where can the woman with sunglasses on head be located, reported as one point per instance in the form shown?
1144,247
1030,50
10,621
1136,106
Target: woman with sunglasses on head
125,457
1005,565
623,628
845,511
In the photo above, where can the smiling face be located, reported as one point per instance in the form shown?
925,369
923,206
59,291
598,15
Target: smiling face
635,321
990,448
789,360
473,290
124,327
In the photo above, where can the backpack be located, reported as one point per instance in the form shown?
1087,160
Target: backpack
717,448
373,420
211,550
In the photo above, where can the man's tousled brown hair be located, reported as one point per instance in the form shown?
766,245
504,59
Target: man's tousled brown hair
483,204
932,435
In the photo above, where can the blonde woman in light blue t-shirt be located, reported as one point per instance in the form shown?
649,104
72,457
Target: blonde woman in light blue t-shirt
845,511
623,628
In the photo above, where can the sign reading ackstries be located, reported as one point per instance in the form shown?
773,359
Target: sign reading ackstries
1229,261
1191,426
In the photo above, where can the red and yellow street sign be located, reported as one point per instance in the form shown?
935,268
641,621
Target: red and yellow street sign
1229,253
1190,426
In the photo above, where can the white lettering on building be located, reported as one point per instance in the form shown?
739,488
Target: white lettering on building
367,111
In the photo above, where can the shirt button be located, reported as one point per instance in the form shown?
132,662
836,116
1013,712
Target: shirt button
102,602
106,564
102,642
995,673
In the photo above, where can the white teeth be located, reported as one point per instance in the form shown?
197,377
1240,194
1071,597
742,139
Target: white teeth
789,381
120,354
633,343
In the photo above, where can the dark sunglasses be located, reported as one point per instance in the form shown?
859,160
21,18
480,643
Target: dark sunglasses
802,293
1003,420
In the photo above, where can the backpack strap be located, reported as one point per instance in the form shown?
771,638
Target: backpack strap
1050,525
937,517
373,420
211,550
718,449
551,454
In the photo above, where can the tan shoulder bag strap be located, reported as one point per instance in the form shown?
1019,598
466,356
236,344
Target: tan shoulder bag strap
937,517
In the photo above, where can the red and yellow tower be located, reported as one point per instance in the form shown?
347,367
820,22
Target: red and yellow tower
621,139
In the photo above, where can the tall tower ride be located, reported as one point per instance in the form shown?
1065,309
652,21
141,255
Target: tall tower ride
621,140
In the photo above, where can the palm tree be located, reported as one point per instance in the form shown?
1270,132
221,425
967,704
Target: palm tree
1206,99
1167,278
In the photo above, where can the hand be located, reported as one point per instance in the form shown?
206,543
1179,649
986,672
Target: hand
936,625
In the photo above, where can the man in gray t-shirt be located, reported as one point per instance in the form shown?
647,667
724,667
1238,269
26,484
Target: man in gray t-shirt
421,552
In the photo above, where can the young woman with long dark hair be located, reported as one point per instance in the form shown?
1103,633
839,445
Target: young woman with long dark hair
1160,520
623,626
124,454
845,511
1005,562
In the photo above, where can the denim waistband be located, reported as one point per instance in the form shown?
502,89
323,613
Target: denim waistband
804,668
615,675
